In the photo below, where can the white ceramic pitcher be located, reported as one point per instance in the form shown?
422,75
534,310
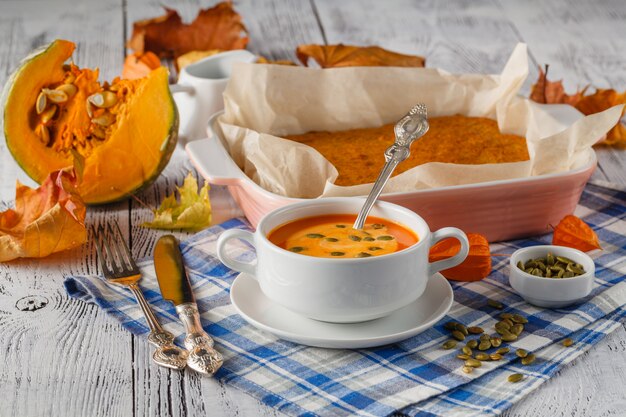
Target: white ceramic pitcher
198,93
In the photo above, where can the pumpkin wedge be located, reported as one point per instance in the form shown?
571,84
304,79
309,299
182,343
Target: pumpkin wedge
123,132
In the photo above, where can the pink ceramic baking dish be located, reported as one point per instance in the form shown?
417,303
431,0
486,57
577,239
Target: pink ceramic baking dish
500,210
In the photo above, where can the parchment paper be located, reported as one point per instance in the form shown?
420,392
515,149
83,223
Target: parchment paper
264,102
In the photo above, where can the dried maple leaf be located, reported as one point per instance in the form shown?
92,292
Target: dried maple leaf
193,56
139,65
575,233
263,60
331,56
600,101
193,212
476,266
219,27
553,92
48,219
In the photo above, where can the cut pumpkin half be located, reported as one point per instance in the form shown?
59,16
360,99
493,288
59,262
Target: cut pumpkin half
123,132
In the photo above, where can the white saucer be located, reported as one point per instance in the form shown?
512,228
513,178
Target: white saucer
423,313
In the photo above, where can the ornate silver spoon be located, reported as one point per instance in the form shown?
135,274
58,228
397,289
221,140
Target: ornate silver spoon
411,127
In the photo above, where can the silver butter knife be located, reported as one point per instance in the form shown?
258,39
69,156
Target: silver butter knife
175,287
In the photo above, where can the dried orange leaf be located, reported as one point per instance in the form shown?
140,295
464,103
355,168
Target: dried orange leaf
553,92
575,233
600,101
331,56
219,27
139,65
45,220
263,60
193,56
476,266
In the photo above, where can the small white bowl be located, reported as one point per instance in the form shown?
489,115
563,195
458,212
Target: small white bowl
549,292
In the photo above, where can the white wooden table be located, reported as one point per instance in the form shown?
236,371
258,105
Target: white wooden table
67,358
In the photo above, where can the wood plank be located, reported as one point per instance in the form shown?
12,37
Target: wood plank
67,358
275,27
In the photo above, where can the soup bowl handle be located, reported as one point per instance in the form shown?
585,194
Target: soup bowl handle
226,259
452,261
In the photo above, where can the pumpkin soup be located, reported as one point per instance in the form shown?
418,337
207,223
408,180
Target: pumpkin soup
332,236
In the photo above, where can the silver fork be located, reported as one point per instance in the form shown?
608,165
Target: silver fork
119,268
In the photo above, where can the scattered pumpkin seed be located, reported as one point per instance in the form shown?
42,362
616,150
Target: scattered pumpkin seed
530,358
495,342
503,351
450,325
484,345
331,239
474,363
502,331
40,104
458,335
495,304
460,327
505,316
482,356
472,344
484,336
467,350
449,344
518,318
509,337
368,239
378,226
337,253
517,329
475,330
296,249
502,325
463,356
375,248
354,238
568,342
521,353
385,237
340,226
363,255
495,356
314,235
515,377
468,369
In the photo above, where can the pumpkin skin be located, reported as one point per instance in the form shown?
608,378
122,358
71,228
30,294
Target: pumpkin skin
118,159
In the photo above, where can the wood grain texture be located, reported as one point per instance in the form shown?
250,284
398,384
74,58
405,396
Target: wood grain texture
68,358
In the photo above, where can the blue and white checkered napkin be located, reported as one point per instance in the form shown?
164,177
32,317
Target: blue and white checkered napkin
416,375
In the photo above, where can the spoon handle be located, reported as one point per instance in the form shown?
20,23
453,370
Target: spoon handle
411,127
380,183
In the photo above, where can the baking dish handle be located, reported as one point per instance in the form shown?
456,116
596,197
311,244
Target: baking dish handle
213,161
